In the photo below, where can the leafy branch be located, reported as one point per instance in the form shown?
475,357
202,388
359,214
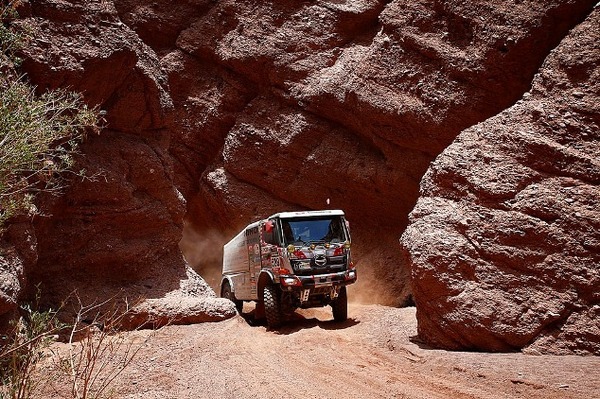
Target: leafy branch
39,133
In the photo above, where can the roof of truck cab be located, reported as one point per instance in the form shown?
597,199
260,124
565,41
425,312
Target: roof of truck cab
287,215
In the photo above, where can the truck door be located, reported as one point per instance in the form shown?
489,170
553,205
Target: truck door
270,243
254,261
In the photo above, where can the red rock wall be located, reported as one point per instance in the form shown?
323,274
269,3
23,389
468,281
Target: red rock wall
115,233
286,105
504,241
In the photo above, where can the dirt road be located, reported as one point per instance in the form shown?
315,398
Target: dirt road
369,356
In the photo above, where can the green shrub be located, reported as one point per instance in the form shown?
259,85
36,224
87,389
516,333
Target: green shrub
23,348
39,134
10,40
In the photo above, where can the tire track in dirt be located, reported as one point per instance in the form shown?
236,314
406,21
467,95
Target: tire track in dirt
371,355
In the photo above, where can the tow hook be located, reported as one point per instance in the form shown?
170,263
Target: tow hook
334,292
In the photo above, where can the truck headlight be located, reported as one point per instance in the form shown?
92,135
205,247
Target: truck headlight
351,275
290,281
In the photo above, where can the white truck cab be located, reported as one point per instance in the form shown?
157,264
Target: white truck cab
290,260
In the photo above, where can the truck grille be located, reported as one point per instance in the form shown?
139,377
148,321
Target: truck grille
330,264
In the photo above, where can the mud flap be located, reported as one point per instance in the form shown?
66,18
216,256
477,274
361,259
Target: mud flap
259,310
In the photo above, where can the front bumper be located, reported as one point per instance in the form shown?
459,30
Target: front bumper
316,290
295,282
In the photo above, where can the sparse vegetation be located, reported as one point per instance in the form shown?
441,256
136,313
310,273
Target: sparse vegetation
10,40
97,358
23,348
39,133
96,351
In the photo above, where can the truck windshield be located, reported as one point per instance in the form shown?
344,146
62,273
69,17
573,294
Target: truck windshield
313,230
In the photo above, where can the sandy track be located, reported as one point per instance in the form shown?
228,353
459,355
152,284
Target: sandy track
368,356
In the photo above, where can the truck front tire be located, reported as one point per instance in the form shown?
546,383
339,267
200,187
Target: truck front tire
228,294
340,306
272,301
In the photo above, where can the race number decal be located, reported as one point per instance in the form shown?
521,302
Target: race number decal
275,261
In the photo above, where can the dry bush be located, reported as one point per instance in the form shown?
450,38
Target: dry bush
98,351
23,348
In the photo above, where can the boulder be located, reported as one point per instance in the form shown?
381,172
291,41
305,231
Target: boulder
504,241
193,301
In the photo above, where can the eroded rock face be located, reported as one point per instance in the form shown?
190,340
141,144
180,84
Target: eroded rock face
504,241
115,233
348,101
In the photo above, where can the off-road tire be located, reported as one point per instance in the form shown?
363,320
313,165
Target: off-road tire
228,294
272,301
340,306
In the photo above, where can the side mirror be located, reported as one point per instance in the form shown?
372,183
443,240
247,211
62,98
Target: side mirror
269,226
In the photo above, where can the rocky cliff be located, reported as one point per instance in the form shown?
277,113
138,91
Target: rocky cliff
504,241
220,112
116,233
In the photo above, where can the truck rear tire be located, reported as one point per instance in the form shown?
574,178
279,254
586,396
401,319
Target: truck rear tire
228,294
340,306
272,302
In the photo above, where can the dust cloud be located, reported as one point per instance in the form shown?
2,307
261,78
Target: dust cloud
383,272
204,253
370,289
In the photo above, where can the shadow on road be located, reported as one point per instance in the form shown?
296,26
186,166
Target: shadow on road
297,322
302,323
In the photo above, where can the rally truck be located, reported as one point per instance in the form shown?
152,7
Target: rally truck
288,261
